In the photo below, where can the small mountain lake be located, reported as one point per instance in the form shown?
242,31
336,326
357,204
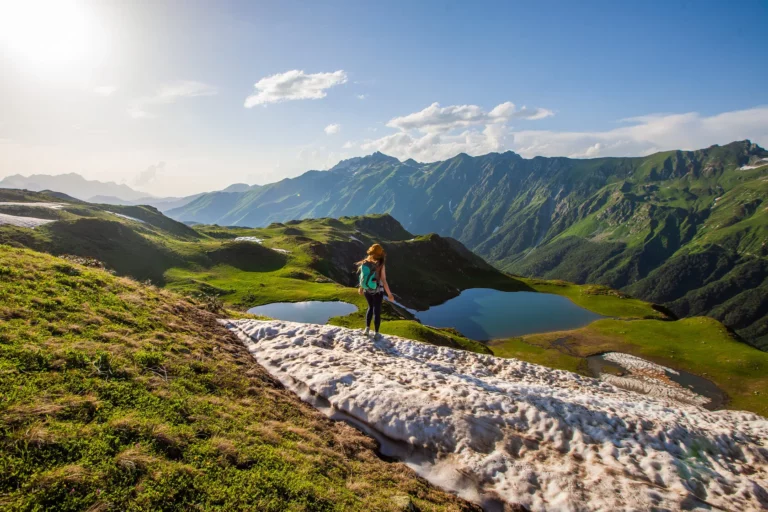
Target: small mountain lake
308,312
485,314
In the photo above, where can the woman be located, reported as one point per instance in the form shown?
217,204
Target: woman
373,284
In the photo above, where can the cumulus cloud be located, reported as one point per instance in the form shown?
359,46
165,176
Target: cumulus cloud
149,175
332,128
437,119
348,145
105,90
362,96
294,85
437,133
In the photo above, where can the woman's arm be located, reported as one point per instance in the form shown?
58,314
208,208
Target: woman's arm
385,284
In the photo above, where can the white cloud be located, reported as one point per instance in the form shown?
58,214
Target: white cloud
170,93
362,96
348,145
332,128
149,175
648,134
105,90
294,85
438,133
437,119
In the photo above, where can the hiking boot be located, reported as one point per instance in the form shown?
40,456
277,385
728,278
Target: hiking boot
367,331
376,337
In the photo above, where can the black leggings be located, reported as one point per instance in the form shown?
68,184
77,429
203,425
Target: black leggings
374,309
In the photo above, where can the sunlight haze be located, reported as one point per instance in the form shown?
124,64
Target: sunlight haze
216,93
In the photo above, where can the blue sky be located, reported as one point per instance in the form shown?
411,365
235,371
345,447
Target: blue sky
154,93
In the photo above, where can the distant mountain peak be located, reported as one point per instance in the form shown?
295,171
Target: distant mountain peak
237,187
72,184
378,156
361,161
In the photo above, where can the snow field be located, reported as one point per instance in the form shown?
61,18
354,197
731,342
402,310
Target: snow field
51,206
24,222
502,429
127,217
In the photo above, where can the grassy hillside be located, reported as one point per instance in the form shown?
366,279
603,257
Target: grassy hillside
131,240
120,396
296,261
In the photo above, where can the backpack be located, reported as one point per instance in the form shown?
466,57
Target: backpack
368,281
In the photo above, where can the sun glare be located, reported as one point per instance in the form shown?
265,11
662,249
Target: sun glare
49,35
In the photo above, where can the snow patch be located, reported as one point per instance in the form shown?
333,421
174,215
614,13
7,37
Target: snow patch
128,217
51,206
655,387
282,251
495,230
760,163
650,379
631,362
23,222
488,427
253,239
355,239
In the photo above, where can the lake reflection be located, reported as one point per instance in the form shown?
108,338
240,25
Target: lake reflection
486,314
308,312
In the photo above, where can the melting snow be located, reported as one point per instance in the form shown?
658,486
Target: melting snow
249,239
631,362
52,206
127,217
354,239
649,378
491,428
283,251
24,222
495,230
760,163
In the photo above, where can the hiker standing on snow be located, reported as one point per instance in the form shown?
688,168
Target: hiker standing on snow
373,284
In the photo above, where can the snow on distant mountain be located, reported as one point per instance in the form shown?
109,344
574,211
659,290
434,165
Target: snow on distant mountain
500,430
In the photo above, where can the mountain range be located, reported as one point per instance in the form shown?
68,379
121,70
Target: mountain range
687,229
102,192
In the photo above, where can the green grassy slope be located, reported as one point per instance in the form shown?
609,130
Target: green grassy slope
137,246
308,260
121,396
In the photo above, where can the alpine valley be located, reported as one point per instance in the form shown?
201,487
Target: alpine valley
686,229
